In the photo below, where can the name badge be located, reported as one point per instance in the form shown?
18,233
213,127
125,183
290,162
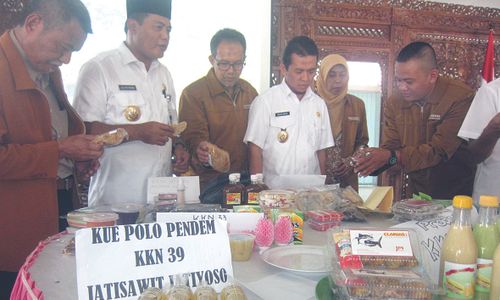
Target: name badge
353,119
127,87
435,117
282,114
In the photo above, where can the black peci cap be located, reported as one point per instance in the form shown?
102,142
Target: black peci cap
157,7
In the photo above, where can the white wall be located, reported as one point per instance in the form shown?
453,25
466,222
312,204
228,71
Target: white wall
194,22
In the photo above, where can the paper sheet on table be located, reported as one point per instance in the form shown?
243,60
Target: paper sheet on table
380,199
295,181
284,283
431,233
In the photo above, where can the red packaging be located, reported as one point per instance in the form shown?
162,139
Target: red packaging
322,226
323,216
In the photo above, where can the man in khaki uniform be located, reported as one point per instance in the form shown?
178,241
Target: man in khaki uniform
421,126
216,107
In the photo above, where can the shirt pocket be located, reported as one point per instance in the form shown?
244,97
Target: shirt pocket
123,103
279,124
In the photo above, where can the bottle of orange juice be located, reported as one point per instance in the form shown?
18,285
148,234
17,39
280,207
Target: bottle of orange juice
459,253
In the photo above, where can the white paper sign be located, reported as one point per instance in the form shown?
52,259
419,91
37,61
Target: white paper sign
237,222
119,262
168,185
381,242
431,233
295,181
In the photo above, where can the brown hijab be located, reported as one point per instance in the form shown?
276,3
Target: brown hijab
335,104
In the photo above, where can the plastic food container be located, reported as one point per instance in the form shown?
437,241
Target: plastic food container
75,219
322,226
247,208
241,246
376,263
100,219
128,213
413,209
322,220
270,199
324,216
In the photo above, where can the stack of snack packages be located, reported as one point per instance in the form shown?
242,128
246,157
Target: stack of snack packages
279,207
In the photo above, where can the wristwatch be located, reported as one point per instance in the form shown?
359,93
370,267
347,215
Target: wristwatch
393,159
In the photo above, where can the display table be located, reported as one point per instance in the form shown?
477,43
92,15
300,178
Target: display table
50,274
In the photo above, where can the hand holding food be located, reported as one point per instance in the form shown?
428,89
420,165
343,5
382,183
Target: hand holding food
112,138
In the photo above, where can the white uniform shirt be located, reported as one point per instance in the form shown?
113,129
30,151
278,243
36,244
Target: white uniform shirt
485,106
308,126
108,84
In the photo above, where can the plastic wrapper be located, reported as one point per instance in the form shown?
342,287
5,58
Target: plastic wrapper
349,210
317,197
218,158
112,138
383,275
414,209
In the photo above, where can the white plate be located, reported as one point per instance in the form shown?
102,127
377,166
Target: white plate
299,258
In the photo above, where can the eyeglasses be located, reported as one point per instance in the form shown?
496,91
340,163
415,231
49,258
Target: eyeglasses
225,65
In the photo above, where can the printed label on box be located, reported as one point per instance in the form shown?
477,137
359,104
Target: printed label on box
381,242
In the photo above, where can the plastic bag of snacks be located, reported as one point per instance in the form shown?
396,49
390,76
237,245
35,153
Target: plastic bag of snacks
316,198
378,263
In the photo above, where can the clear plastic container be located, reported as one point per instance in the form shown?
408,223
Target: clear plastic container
100,219
414,209
241,246
270,199
378,263
232,292
323,216
153,293
322,226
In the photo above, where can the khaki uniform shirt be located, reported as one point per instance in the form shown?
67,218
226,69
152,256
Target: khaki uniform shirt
436,160
28,157
213,115
354,134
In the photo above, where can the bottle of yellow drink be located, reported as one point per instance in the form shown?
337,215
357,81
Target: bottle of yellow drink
495,276
486,235
459,253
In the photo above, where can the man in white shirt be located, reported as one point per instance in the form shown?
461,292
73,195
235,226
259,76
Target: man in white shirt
481,127
129,88
289,128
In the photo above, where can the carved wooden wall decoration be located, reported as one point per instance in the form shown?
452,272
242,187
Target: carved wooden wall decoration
375,30
10,11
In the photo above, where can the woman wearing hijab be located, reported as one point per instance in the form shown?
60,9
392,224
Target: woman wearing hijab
347,118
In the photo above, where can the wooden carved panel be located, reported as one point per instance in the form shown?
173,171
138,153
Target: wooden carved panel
375,30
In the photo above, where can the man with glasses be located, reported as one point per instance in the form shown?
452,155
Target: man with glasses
289,126
216,107
129,88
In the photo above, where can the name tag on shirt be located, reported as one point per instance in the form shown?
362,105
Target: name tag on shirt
435,117
127,87
282,114
353,119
